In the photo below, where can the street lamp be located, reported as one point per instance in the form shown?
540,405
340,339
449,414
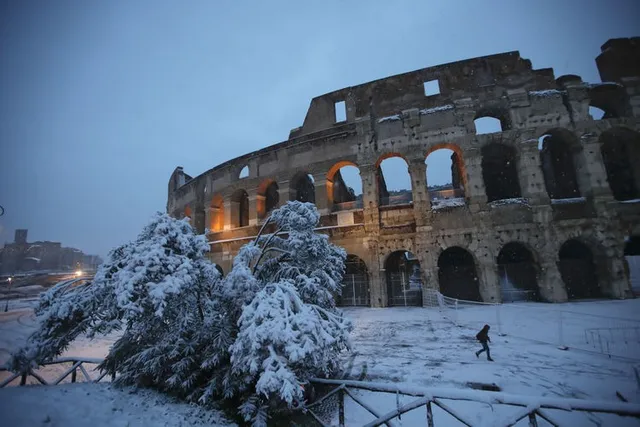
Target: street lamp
6,306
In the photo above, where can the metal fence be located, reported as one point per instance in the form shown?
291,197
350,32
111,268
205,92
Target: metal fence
402,291
76,364
531,408
355,290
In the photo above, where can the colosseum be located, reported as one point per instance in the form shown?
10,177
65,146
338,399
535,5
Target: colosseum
544,206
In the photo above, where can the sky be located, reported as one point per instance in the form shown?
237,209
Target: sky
101,100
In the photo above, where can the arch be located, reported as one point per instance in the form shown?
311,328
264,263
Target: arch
491,120
578,270
457,274
620,148
404,279
355,283
239,209
268,197
396,191
558,151
518,273
188,213
216,213
499,172
449,156
302,188
608,101
344,186
596,113
244,172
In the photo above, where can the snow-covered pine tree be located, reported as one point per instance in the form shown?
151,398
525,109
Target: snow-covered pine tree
289,328
156,289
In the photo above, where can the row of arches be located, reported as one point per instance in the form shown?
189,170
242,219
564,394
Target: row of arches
446,177
518,271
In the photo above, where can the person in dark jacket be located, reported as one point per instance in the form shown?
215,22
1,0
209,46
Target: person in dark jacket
483,337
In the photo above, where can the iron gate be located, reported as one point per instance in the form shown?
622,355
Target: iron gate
355,290
404,290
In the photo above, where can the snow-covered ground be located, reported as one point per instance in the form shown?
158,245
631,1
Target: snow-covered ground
409,346
80,405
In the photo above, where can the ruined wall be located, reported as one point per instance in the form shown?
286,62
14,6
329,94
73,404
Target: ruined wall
512,191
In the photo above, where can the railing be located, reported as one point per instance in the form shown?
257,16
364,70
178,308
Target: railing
76,364
531,407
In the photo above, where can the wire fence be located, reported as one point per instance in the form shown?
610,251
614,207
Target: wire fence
546,323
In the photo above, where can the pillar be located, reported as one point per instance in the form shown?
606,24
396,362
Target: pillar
227,213
283,192
531,176
322,199
419,191
368,174
550,282
475,194
489,285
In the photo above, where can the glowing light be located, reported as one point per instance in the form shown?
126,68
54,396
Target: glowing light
78,273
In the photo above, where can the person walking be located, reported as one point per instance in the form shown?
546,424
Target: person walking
483,337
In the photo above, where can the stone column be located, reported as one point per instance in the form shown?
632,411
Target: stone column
198,222
322,199
377,279
592,174
227,212
550,282
283,192
254,200
531,176
368,173
489,282
476,194
419,192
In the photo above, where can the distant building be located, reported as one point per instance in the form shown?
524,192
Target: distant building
21,256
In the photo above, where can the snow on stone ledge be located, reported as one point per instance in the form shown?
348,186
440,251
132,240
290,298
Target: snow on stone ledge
513,201
546,93
438,204
568,201
630,201
393,118
605,84
437,109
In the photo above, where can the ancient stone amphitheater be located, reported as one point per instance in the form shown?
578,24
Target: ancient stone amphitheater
544,208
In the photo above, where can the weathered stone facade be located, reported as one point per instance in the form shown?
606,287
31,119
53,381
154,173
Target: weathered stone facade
552,194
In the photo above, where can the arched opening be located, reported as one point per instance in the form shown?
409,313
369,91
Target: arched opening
596,113
216,214
578,270
404,281
632,259
457,275
302,188
621,155
244,172
558,166
344,187
445,176
499,172
394,181
239,209
355,283
486,125
518,273
188,214
268,198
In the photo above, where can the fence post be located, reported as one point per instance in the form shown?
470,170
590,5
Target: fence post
73,375
561,345
498,319
23,379
341,407
429,415
533,422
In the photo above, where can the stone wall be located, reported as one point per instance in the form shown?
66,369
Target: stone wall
552,175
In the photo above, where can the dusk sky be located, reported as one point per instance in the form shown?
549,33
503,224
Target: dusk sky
101,100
